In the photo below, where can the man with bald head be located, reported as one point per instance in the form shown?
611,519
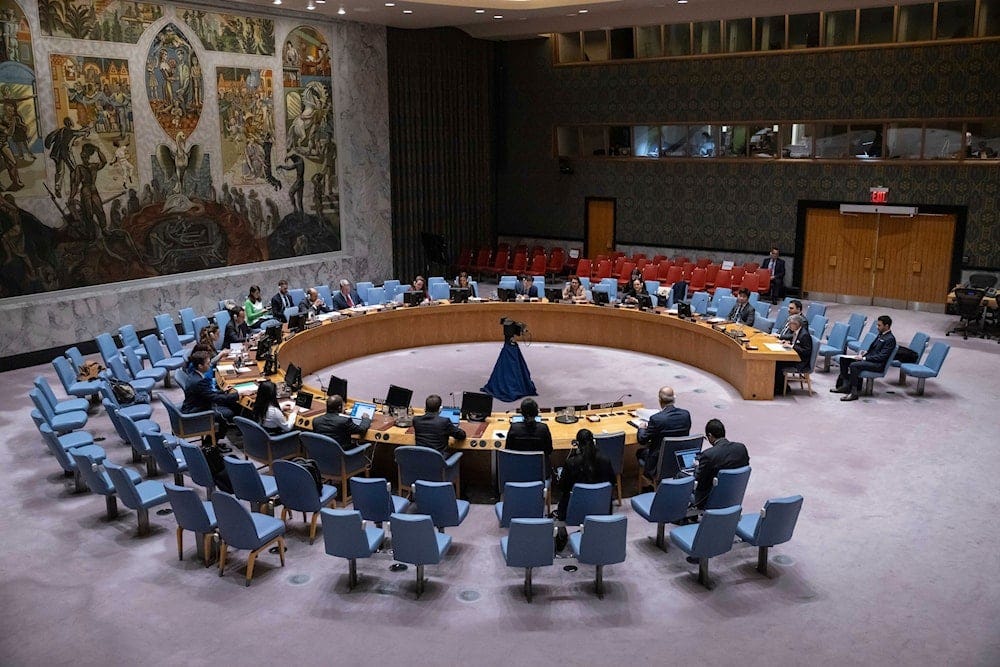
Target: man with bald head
313,303
669,422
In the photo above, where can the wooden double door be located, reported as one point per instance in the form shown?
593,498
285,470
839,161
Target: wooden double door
878,259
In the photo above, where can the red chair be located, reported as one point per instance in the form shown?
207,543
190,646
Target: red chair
521,248
484,259
557,262
763,281
600,258
688,269
538,250
649,272
674,274
573,260
616,269
465,258
503,246
724,278
636,256
711,271
583,267
682,260
537,266
641,263
663,271
749,281
603,270
519,264
737,272
751,266
703,262
625,274
499,265
697,283
658,258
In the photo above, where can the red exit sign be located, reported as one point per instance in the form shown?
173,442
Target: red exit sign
879,195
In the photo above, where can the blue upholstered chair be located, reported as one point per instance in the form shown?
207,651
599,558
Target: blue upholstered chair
76,358
855,346
711,537
106,346
66,441
165,450
835,345
326,294
130,339
165,321
136,439
117,369
817,326
669,503
763,309
156,356
868,377
415,463
223,318
717,295
65,459
855,324
612,445
919,345
346,536
521,500
415,541
60,423
372,498
200,323
335,463
297,294
249,485
98,481
187,322
72,386
437,500
726,305
781,318
139,496
376,296
439,290
600,543
174,345
188,425
699,303
391,287
362,289
813,309
515,466
241,529
728,488
529,545
763,324
929,369
259,445
774,525
198,468
587,500
194,514
139,371
298,493
60,407
140,412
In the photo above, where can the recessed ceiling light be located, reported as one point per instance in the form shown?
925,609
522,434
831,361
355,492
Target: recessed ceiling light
583,11
277,2
341,11
682,2
390,4
498,16
480,11
310,6
407,11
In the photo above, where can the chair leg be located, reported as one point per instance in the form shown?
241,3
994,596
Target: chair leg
178,479
660,530
703,572
619,484
352,577
920,386
204,543
599,581
151,469
527,583
250,563
281,550
902,377
143,517
180,543
826,364
420,580
78,484
312,528
223,549
762,560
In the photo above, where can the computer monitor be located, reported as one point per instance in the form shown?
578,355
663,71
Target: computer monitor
413,298
273,333
293,376
452,413
361,409
304,399
337,386
506,294
264,347
297,322
601,297
476,407
460,294
553,294
645,301
398,397
683,309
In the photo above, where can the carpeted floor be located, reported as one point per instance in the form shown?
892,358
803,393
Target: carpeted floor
894,560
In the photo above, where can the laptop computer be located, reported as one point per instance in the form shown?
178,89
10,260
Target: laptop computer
686,460
362,409
454,414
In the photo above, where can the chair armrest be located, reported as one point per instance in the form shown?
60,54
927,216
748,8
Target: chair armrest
198,419
358,450
283,438
453,460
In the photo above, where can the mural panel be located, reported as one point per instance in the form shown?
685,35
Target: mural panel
107,20
232,34
174,82
246,116
20,143
310,147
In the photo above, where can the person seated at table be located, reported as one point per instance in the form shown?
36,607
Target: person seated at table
313,303
208,342
584,465
525,288
743,312
266,410
203,395
670,422
280,301
255,310
463,281
635,289
801,342
346,297
721,455
237,331
530,435
794,308
338,426
574,290
419,285
432,430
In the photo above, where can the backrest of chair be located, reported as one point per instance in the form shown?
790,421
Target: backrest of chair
726,305
153,348
371,497
515,466
437,500
763,324
222,319
612,445
731,486
254,438
982,280
777,521
419,463
117,368
716,531
612,285
781,318
324,450
919,344
135,365
815,353
588,499
172,340
199,323
162,454
867,341
129,337
935,358
838,336
236,527
855,324
245,480
56,449
111,407
188,508
763,308
439,290
530,543
343,533
327,295
522,500
296,486
817,325
815,308
583,267
43,387
164,321
362,289
95,479
376,296
699,303
672,499
106,346
603,541
413,539
173,414
133,436
123,485
667,466
43,406
197,465
970,303
75,357
187,320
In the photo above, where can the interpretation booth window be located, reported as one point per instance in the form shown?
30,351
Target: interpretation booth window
770,33
803,31
648,41
707,37
916,23
876,25
739,35
840,27
956,20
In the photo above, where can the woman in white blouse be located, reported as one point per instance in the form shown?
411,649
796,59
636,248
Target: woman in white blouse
266,411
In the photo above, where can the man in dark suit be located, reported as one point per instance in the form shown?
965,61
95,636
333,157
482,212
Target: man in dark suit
530,435
799,340
669,422
346,297
432,430
743,312
722,455
337,426
526,288
777,267
237,331
794,308
280,301
313,303
874,359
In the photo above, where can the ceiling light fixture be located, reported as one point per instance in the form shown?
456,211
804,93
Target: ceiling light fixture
682,2
480,11
310,6
277,2
583,11
341,11
498,16
390,4
407,11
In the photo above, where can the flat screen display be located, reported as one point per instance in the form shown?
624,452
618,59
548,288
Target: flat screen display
337,386
398,397
476,406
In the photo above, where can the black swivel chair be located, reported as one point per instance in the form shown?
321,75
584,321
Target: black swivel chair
969,303
982,281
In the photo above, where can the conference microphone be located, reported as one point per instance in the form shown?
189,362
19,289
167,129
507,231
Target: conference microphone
622,397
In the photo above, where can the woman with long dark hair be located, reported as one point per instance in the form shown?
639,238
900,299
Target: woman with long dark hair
584,465
266,411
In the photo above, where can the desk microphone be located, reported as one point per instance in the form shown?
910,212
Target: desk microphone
622,397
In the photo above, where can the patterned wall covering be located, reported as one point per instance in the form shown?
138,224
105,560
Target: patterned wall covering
442,135
738,205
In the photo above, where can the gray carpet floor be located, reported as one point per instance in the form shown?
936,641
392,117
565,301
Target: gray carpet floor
894,560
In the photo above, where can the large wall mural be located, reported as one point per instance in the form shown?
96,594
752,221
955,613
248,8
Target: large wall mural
87,199
233,34
107,20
